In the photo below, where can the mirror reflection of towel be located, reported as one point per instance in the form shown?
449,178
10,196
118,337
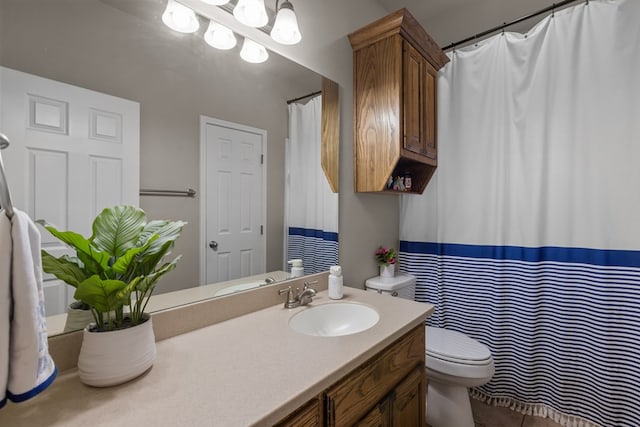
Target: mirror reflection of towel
26,368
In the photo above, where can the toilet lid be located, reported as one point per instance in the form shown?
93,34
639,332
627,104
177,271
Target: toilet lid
454,346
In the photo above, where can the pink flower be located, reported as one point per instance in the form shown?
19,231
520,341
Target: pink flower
385,256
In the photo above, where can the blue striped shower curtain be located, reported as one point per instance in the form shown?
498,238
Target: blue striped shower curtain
311,218
528,236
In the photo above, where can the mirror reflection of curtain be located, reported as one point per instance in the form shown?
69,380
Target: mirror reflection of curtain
311,207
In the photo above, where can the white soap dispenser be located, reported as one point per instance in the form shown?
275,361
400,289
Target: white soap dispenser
297,270
335,282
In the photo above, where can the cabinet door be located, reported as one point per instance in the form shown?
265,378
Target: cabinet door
413,98
429,115
408,406
377,417
419,92
306,416
352,397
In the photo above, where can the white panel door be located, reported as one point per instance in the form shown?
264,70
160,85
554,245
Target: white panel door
73,152
233,200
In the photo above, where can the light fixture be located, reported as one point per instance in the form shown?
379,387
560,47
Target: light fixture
285,29
215,2
219,36
180,18
251,13
253,52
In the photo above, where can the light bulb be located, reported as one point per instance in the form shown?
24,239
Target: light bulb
219,36
253,52
180,18
215,2
251,13
285,29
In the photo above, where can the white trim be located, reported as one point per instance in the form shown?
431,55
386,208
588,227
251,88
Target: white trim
285,223
204,121
536,409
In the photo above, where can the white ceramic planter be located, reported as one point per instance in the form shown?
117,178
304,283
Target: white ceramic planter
387,270
115,357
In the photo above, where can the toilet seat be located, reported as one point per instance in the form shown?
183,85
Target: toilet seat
454,347
457,358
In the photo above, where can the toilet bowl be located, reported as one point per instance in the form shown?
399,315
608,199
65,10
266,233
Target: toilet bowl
454,362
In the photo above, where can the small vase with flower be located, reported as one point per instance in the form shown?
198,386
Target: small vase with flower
386,259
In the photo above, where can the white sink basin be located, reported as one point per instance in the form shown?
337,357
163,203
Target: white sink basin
334,319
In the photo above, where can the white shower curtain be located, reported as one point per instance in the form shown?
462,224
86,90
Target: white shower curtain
528,237
311,206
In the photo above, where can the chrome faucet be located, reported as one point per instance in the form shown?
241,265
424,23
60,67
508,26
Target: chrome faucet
295,298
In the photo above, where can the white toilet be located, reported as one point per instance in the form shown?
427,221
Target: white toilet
454,362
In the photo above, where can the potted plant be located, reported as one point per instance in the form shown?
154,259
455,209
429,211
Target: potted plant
115,272
386,259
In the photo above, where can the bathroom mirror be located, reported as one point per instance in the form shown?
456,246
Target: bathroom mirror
122,48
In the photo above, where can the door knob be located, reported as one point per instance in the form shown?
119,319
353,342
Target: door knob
213,245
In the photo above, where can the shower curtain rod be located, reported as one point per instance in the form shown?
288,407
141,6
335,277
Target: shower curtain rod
553,7
303,97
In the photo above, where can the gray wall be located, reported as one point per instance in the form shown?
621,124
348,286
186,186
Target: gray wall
121,47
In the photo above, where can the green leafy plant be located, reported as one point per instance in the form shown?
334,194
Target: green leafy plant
118,266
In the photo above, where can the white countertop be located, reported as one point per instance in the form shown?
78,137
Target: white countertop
250,370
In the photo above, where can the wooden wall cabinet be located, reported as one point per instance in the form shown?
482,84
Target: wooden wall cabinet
387,390
330,137
395,65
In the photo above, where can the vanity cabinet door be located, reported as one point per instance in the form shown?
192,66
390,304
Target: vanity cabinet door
308,415
409,401
404,406
353,397
378,417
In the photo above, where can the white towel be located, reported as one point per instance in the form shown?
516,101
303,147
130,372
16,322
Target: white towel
30,368
5,298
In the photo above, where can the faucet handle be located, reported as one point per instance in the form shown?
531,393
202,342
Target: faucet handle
289,291
292,297
308,285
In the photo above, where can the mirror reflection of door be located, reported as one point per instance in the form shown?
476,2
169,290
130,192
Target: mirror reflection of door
73,152
234,204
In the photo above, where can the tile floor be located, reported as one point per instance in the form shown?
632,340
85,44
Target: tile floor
497,416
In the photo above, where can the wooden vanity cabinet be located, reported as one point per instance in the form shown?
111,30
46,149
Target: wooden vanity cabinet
395,113
309,415
404,406
388,390
382,391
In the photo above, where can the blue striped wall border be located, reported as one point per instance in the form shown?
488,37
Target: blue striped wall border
563,324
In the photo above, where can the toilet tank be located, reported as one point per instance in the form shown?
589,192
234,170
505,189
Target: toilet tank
401,285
